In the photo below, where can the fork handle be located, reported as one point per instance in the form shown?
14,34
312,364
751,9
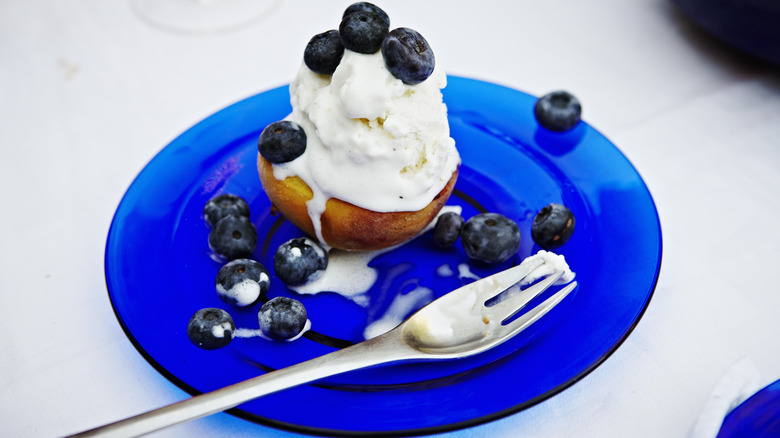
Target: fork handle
383,349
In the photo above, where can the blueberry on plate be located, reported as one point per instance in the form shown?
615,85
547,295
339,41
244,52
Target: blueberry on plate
224,205
324,52
558,111
211,328
490,237
552,226
408,56
242,282
447,229
299,261
367,7
233,237
282,318
282,141
363,32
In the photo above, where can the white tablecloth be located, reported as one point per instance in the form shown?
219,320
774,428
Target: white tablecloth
89,93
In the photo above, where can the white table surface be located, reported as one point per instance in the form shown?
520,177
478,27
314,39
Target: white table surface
89,93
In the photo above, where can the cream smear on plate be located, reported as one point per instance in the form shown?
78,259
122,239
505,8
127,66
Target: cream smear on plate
402,306
349,274
253,333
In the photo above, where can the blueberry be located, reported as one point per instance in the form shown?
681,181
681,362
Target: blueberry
233,237
242,282
408,56
363,32
211,328
367,7
447,229
282,141
558,111
323,53
282,318
299,260
490,237
224,205
552,226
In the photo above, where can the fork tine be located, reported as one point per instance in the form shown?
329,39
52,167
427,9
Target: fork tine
497,283
511,305
537,312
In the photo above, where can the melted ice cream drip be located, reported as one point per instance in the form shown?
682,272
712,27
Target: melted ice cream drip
349,274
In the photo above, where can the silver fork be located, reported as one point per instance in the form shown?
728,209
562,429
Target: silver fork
456,325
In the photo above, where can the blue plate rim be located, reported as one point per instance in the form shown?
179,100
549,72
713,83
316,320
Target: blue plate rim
733,422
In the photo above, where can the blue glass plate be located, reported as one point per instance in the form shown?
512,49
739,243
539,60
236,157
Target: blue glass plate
159,272
756,417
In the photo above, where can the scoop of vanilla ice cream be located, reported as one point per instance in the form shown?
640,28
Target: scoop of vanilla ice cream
372,140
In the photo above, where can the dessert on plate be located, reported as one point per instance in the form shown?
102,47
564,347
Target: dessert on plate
365,160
